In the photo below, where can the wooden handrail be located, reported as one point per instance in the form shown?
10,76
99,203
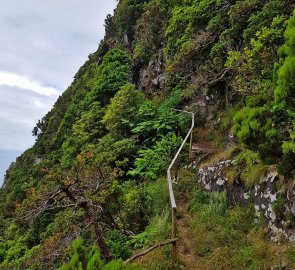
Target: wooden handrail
169,179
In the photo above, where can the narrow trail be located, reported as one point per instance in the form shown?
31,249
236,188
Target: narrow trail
186,247
187,250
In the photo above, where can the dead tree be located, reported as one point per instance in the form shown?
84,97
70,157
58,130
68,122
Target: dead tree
78,189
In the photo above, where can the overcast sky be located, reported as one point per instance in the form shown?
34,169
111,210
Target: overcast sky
43,43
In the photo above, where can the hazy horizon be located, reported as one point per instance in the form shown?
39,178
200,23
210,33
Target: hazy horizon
6,158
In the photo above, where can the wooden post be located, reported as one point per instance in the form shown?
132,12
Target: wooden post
190,147
174,232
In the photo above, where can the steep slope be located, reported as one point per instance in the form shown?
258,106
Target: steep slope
95,173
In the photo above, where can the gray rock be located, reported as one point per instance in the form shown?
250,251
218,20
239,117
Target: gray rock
220,182
264,194
152,77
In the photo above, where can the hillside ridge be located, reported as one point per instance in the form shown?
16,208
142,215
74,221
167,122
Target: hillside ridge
92,191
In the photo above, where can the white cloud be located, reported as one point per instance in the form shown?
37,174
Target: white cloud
10,79
38,103
49,40
42,46
43,43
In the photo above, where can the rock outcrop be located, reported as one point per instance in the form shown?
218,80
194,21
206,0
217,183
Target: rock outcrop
270,205
152,78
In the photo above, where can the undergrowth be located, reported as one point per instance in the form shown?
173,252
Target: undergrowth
228,238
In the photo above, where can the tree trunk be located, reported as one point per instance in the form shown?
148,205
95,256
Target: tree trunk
98,232
99,237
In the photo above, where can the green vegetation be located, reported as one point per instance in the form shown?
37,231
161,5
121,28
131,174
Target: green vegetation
92,190
230,240
81,259
264,127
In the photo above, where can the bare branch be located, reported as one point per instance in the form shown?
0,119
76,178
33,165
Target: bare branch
219,78
140,254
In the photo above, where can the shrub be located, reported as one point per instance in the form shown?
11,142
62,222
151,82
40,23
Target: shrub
286,72
135,210
255,127
284,95
152,162
248,126
120,113
278,207
149,33
81,259
111,76
118,244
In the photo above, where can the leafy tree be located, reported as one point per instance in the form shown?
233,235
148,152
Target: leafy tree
253,66
119,116
126,15
112,75
152,162
263,18
149,33
186,18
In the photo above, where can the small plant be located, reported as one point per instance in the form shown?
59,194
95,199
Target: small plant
251,167
80,259
278,207
118,244
199,198
231,173
217,204
152,162
204,250
140,240
252,175
91,260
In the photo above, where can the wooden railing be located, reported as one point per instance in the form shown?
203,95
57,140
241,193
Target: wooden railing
175,162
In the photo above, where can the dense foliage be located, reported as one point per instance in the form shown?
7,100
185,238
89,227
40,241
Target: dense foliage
89,193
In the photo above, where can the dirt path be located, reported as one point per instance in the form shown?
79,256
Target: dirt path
186,249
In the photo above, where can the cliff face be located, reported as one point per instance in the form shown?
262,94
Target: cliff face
267,199
93,170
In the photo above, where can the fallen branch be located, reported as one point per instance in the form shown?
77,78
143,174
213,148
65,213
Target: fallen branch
140,254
